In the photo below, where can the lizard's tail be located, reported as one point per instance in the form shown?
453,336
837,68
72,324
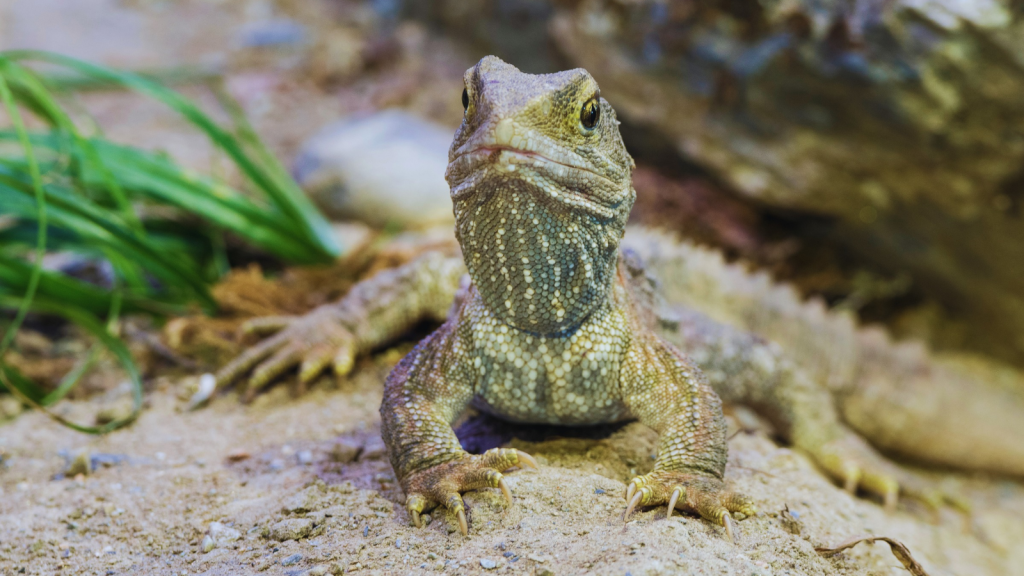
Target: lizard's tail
966,412
961,411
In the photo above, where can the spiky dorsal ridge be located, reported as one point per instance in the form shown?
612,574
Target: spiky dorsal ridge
822,341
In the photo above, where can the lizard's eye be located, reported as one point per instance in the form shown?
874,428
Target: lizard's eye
590,114
465,99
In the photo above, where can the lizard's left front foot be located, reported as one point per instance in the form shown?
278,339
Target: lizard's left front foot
445,482
705,495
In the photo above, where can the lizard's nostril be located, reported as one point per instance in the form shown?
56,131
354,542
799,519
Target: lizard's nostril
504,132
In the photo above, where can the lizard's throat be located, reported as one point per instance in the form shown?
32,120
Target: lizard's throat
538,266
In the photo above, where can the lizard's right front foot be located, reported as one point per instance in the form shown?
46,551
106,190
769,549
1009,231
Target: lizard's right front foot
444,483
313,342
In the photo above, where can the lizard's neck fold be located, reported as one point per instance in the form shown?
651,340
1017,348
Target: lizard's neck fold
539,265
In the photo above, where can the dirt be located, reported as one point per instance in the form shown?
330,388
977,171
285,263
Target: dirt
305,486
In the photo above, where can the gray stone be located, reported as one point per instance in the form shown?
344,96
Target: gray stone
385,168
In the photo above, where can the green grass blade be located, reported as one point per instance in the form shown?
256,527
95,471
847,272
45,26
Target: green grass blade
40,215
42,100
103,231
281,191
71,379
28,392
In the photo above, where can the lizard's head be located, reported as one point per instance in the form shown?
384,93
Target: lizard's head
541,184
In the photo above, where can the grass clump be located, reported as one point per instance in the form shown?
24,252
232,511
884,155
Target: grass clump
68,190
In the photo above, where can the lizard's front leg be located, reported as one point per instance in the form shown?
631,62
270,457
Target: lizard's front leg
422,397
669,394
374,312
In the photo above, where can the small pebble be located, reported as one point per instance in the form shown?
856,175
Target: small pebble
82,464
345,450
488,564
598,491
207,386
291,529
305,457
291,560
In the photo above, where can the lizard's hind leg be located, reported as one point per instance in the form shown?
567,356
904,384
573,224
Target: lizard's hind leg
745,369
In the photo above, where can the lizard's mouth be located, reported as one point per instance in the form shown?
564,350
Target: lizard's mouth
468,169
516,156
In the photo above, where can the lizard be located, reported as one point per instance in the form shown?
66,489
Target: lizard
530,179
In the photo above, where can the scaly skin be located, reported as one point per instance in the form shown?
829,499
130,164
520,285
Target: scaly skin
806,370
548,331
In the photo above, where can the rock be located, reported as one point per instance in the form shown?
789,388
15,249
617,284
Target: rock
488,564
219,535
238,455
305,457
291,529
308,499
387,168
898,121
292,560
81,464
345,450
374,450
276,32
9,407
205,389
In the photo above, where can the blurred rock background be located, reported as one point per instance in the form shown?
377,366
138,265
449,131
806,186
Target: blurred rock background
869,152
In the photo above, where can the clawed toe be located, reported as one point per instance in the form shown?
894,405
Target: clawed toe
728,522
443,484
857,466
672,502
696,493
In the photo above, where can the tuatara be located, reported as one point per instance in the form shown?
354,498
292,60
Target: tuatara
557,321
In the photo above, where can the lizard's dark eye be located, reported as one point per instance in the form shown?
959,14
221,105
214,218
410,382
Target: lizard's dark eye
590,114
465,99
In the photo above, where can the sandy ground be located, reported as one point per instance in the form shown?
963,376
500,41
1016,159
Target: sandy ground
303,486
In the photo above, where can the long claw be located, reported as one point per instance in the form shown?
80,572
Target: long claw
526,459
247,360
463,525
891,499
266,324
343,361
630,490
276,365
727,521
672,502
632,504
314,364
850,480
505,491
415,518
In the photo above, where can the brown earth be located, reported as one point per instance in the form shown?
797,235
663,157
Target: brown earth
308,488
